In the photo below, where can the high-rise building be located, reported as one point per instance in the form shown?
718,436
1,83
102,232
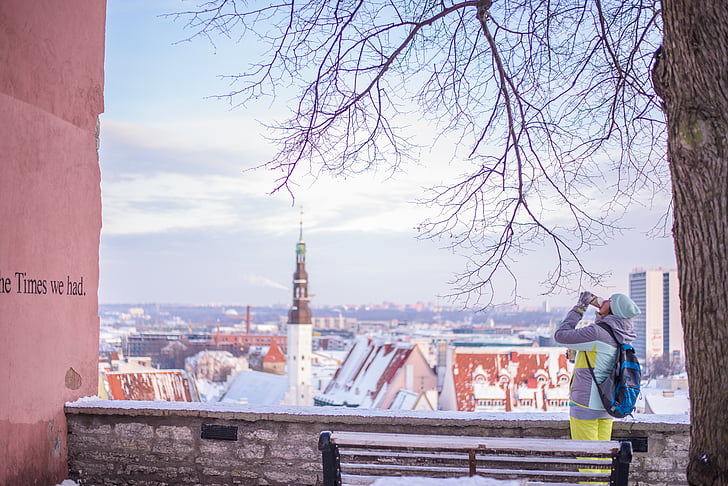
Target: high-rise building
658,327
298,360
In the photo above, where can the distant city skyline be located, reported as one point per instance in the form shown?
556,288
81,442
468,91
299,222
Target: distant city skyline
184,222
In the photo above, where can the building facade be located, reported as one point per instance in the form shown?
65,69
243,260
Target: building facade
658,326
494,379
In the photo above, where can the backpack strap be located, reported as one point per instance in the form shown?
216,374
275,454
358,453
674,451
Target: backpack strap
606,401
609,329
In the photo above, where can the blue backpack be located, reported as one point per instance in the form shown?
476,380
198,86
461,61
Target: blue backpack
620,390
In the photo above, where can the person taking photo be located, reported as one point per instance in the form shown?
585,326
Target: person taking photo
588,420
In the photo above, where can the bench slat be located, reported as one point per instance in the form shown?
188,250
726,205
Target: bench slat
398,470
374,439
347,480
393,455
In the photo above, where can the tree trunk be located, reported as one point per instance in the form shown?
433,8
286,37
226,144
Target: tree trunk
691,76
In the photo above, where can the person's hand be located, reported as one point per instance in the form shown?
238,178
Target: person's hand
584,300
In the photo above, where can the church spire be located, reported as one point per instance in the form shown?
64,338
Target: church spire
300,312
299,333
300,222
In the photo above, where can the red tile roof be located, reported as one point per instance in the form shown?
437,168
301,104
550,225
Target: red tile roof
508,371
169,385
274,355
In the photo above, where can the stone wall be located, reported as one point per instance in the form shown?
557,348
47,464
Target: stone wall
160,443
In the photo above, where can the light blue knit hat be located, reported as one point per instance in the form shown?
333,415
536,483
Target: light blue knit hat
623,306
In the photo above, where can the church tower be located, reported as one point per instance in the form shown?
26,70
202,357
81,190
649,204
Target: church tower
299,333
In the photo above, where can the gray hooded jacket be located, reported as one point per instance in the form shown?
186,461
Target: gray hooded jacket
601,348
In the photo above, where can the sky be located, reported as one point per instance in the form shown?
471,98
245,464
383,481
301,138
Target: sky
185,221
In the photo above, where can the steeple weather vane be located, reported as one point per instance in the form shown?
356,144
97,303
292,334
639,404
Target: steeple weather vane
300,222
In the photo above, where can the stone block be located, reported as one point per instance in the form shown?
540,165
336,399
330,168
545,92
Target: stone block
174,433
227,461
217,448
214,472
134,430
250,451
175,450
666,478
289,477
299,452
676,446
244,473
89,441
88,429
131,445
267,435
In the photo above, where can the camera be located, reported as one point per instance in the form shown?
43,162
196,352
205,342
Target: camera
596,301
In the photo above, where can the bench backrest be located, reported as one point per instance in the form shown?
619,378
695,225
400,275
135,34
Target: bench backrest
362,457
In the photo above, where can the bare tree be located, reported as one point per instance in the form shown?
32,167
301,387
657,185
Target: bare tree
691,77
554,102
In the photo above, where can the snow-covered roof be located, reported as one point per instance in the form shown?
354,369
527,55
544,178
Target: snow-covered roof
370,365
169,385
404,400
256,388
222,356
662,401
483,373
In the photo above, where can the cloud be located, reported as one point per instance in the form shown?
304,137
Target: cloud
151,184
265,282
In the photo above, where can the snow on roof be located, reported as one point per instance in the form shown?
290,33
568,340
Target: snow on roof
661,401
404,400
482,373
222,356
256,388
170,385
370,364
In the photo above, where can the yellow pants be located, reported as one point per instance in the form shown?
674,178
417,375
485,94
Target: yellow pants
597,429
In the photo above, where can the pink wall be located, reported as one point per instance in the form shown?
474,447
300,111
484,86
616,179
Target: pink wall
51,92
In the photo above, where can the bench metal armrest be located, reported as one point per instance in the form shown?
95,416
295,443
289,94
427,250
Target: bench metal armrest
620,472
330,460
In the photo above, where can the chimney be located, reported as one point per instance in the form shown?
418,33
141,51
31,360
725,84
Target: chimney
247,320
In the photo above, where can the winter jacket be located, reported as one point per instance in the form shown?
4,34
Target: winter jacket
598,344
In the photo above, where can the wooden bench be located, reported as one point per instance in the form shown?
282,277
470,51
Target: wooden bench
358,458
